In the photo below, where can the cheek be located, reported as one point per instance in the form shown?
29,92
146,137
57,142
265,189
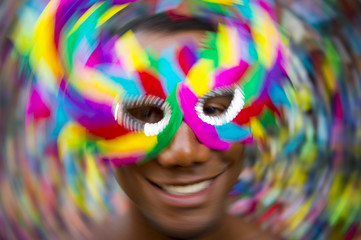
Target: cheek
235,152
127,180
235,156
121,176
131,180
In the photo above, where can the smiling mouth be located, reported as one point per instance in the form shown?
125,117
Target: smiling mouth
185,189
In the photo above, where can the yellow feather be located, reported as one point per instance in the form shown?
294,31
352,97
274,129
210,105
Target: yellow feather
226,2
200,77
87,14
226,45
301,213
93,178
110,13
128,143
129,50
266,37
329,77
257,129
44,49
71,138
95,85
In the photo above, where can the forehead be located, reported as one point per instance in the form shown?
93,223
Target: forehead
157,41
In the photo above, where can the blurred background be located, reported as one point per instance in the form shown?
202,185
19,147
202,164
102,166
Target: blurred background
304,185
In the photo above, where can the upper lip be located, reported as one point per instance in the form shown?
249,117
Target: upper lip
183,181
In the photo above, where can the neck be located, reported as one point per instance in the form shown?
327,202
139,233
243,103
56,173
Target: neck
134,226
139,227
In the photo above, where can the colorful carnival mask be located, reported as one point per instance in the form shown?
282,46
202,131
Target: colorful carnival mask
128,102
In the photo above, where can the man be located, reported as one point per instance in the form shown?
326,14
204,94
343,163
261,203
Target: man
169,98
182,192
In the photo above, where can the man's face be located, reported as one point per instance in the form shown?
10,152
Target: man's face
212,80
182,192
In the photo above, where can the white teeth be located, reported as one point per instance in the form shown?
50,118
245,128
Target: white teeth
187,189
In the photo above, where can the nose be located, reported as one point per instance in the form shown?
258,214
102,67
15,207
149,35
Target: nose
185,149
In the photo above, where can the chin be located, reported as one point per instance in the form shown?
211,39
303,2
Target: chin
189,227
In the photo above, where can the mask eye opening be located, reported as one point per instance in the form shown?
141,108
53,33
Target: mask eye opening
228,113
129,113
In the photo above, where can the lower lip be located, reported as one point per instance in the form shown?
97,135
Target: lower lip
188,200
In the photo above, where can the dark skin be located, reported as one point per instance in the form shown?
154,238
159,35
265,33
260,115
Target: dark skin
183,193
149,217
